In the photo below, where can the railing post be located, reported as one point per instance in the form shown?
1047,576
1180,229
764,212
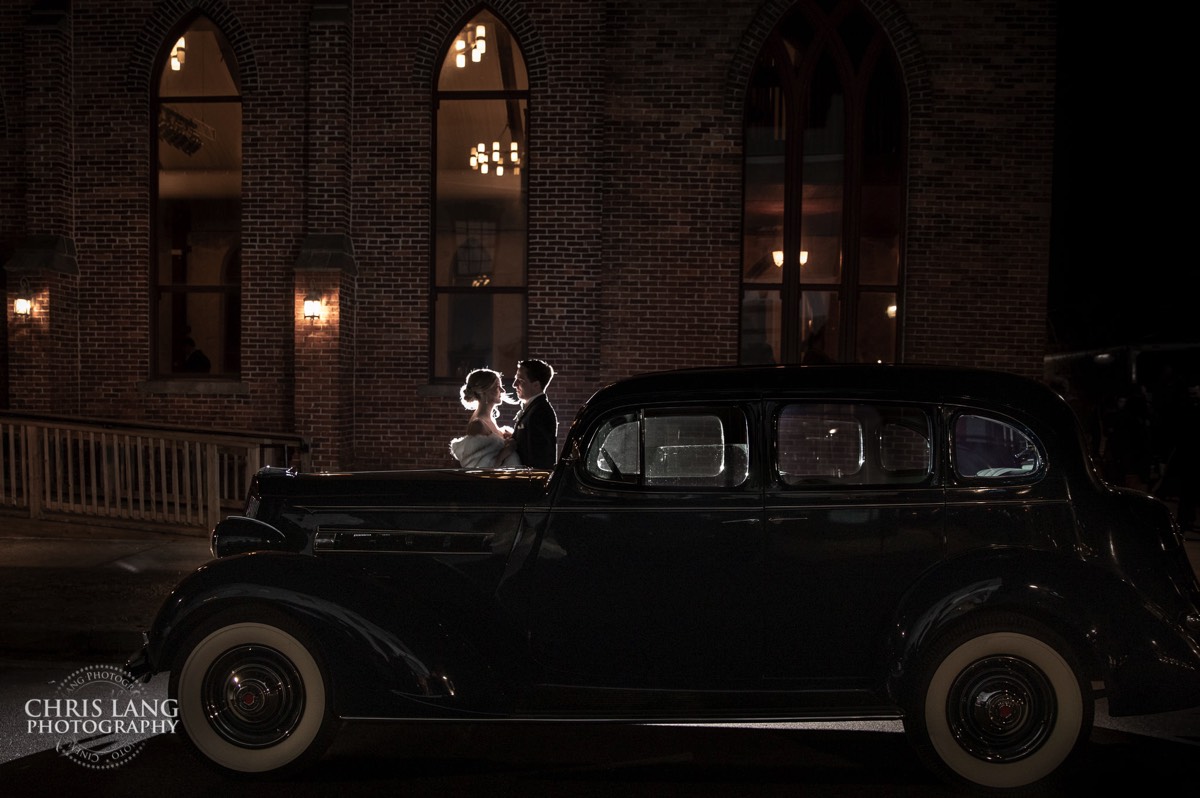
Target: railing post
34,464
212,485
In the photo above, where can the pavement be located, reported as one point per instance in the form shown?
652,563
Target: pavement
86,590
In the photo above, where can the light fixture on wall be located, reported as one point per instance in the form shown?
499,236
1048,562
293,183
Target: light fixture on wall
312,307
473,39
23,304
178,53
494,161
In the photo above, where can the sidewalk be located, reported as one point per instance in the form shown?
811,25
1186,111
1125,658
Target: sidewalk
84,590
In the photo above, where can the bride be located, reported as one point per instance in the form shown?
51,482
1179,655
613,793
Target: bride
485,445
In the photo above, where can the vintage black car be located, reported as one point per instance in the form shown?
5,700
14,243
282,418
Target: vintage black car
715,545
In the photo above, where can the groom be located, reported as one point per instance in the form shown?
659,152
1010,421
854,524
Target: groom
535,436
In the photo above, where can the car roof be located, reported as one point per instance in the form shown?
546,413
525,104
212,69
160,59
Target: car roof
908,382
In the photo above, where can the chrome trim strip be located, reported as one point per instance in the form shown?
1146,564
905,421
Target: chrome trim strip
402,541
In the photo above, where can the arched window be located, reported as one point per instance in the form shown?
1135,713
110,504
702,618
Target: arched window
823,215
195,307
479,244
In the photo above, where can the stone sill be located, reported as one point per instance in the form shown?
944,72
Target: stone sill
194,387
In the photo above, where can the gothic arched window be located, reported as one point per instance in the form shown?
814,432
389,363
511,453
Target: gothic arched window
481,106
823,214
195,309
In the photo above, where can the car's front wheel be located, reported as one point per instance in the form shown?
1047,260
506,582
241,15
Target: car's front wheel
1001,704
252,696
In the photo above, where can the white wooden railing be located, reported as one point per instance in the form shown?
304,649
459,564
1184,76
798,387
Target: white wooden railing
158,475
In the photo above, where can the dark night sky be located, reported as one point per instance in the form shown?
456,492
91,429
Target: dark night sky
1118,258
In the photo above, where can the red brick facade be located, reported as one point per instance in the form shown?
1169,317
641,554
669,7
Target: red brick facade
634,201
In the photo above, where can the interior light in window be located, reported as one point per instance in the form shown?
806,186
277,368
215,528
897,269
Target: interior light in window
478,157
177,54
460,60
891,311
777,256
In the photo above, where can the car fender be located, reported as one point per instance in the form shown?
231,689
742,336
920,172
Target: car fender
381,663
1124,641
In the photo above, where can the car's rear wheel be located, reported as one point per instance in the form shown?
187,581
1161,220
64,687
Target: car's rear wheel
1001,704
252,694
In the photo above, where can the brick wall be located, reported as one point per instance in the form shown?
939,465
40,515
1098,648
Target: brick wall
635,199
979,199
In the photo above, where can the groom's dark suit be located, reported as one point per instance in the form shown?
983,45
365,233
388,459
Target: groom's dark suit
535,436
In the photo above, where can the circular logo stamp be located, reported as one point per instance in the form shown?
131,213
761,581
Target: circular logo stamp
100,717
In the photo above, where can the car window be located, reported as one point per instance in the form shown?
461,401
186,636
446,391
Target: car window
672,448
905,451
853,444
987,448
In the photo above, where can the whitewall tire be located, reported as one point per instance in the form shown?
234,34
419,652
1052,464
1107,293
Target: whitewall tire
252,697
1002,704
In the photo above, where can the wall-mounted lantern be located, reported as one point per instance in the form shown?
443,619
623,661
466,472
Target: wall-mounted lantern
312,307
23,304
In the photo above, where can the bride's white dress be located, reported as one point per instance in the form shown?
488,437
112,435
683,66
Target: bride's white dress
482,451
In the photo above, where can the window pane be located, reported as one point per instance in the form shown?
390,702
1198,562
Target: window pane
204,327
824,178
854,445
693,449
614,451
199,64
820,320
876,327
813,96
480,225
766,142
477,330
817,444
696,448
905,451
196,270
992,449
191,256
483,57
761,322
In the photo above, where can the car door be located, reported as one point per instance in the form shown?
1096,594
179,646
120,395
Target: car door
648,572
1002,491
854,513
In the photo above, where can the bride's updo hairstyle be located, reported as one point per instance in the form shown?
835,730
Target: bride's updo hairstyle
478,383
